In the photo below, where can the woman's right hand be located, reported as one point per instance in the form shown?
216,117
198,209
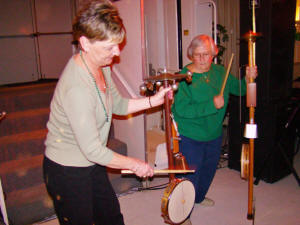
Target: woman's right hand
251,73
159,97
141,168
218,101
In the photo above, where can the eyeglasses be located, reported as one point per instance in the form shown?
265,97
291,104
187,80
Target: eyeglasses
202,55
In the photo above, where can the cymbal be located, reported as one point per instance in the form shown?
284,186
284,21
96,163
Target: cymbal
167,76
251,35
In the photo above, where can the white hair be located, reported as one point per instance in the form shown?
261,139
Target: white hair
200,40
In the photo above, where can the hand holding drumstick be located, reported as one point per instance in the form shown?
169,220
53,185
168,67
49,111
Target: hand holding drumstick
251,74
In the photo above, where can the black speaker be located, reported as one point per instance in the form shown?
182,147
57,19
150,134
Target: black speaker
275,21
274,58
274,138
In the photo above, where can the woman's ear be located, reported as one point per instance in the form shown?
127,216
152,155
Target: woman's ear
84,43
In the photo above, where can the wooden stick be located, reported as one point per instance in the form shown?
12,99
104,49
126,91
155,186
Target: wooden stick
226,76
161,171
251,47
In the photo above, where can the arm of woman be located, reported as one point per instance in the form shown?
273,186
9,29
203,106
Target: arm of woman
79,107
139,167
135,105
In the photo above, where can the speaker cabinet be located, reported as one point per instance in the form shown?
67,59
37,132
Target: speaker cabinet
273,139
275,21
274,58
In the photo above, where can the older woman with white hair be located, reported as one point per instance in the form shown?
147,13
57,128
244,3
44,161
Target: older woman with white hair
199,110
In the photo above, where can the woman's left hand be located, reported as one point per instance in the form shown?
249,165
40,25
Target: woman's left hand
159,97
251,72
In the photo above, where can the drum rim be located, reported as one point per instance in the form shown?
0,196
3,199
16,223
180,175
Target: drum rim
175,182
245,161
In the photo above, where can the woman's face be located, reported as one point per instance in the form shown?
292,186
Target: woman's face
202,57
102,53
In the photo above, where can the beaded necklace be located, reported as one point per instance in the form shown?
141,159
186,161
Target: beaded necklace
207,79
97,89
203,78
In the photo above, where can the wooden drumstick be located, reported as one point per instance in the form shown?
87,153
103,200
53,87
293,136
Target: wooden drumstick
226,76
161,171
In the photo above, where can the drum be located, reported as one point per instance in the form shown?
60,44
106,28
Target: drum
245,161
178,201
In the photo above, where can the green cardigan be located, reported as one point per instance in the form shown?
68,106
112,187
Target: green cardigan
77,127
193,106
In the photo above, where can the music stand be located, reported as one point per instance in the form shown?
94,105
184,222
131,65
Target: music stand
279,146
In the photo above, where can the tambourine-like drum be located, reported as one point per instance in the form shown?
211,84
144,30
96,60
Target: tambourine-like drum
178,201
245,161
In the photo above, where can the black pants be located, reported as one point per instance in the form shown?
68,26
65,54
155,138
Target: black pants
82,195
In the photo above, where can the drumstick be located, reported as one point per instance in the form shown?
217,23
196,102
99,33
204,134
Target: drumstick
161,171
226,76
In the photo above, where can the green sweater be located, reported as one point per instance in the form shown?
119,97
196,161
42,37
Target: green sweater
77,127
193,106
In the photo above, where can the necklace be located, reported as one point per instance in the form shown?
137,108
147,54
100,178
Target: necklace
205,78
97,89
209,79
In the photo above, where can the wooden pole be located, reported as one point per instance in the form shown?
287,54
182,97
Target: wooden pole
251,48
168,130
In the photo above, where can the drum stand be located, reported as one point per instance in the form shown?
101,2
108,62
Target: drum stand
281,148
176,204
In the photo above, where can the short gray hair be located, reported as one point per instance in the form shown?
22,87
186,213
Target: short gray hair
199,41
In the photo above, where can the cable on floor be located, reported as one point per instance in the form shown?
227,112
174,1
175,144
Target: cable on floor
137,189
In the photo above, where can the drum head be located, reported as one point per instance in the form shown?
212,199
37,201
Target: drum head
181,202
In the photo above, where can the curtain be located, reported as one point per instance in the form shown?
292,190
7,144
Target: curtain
229,16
